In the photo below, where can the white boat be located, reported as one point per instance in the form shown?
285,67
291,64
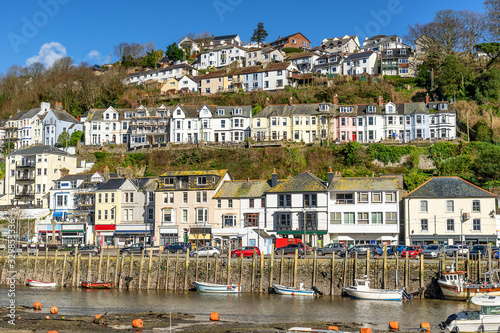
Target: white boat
362,290
454,285
485,320
300,291
206,287
35,283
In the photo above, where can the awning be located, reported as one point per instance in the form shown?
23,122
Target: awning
57,214
132,232
301,232
262,233
103,227
199,236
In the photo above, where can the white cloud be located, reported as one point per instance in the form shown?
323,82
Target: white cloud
48,54
96,57
94,54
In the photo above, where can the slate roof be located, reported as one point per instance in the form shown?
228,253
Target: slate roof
41,150
111,184
396,53
97,114
192,111
243,189
245,109
301,55
65,116
289,110
225,37
359,55
145,183
287,37
304,182
363,184
75,177
218,173
448,187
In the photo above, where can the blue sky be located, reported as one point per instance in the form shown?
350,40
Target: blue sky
87,30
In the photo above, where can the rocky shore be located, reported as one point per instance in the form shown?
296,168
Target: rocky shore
29,321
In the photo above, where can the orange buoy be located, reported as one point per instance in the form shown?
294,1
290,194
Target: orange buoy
393,326
137,323
214,316
18,318
54,310
333,328
52,332
365,330
47,317
37,306
426,327
99,319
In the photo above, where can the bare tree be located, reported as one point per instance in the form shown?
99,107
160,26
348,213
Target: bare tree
149,47
35,69
190,35
474,29
204,39
119,50
135,50
493,18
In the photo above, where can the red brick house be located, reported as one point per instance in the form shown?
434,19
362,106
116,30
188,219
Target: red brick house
297,40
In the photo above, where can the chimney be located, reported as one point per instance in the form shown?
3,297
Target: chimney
58,106
128,172
44,106
267,101
105,173
335,100
290,101
338,174
330,176
64,172
279,37
427,99
380,101
274,178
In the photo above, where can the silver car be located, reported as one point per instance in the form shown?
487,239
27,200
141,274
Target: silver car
433,251
205,251
451,250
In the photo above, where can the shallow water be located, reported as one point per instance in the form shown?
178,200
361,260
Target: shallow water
265,308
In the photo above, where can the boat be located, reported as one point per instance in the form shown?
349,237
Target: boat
485,320
455,286
362,290
35,283
97,285
300,291
206,287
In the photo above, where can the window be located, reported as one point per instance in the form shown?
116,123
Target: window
202,180
201,197
105,214
348,218
201,215
99,214
344,198
310,200
229,220
377,197
113,197
391,218
476,225
184,197
168,197
423,206
376,218
167,216
335,218
184,215
450,206
476,206
284,200
99,198
283,221
424,225
450,225
219,203
230,203
263,203
112,213
251,220
390,197
363,218
251,203
105,197
151,214
129,197
363,197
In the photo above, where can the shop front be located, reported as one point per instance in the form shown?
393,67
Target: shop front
313,238
168,235
200,236
128,234
105,235
47,235
73,233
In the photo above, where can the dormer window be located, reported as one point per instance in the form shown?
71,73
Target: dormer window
443,106
128,115
390,109
403,51
323,107
220,112
238,111
389,52
114,115
371,109
107,115
345,109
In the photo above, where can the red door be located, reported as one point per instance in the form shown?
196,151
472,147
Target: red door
354,136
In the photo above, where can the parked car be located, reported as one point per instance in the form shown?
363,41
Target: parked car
463,249
86,250
290,249
361,250
180,247
247,251
134,248
412,251
496,254
205,251
331,248
452,250
478,251
400,248
380,250
433,251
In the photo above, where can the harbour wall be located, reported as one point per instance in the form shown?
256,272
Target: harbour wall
256,274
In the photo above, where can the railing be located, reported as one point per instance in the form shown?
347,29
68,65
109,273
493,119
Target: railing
344,201
21,206
22,177
25,164
25,193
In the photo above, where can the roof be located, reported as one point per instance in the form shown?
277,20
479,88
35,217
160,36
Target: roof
304,182
161,69
111,184
218,173
75,177
145,183
65,116
301,55
288,110
448,187
225,37
363,184
243,189
359,55
41,150
286,37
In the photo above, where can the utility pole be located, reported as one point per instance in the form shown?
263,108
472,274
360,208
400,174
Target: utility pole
468,136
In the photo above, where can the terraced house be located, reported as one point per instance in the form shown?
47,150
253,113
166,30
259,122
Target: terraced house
149,126
105,126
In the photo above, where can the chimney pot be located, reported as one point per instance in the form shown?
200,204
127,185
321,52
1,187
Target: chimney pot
380,101
427,99
335,100
290,101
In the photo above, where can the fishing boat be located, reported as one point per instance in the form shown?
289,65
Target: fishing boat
206,287
35,283
485,320
362,290
97,285
300,291
455,286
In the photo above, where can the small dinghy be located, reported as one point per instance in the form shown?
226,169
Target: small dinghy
206,287
35,283
300,291
97,285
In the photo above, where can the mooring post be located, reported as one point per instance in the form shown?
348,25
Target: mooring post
384,277
271,267
421,274
344,273
467,264
253,271
261,280
158,273
489,257
122,265
99,277
314,270
355,267
196,268
89,268
332,283
186,271
407,271
166,272
79,261
295,262
367,264
216,265
206,271
141,265
106,277
63,271
176,269
45,265
149,267
229,264
241,268
397,270
36,265
117,264
281,267
54,268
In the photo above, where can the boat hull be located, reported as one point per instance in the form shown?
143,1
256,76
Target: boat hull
283,290
474,326
35,283
462,294
97,285
375,294
217,288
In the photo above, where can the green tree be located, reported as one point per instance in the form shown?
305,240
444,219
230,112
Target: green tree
487,165
492,50
483,132
487,86
174,52
259,34
76,137
63,139
453,77
151,58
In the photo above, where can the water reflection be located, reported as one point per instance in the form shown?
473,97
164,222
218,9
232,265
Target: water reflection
265,308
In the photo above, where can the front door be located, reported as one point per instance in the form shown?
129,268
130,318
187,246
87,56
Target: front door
354,136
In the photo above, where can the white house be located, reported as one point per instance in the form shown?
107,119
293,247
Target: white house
161,74
360,63
258,56
192,124
304,61
105,126
329,64
221,56
346,44
232,123
382,42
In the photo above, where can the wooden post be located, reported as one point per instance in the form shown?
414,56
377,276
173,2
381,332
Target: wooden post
384,277
479,268
176,269
407,272
315,263
332,283
45,265
261,272
355,267
367,264
489,257
149,266
141,265
295,262
241,268
281,267
206,271
116,267
166,273
89,268
54,268
421,273
216,270
186,271
253,272
442,262
36,264
344,273
397,271
78,262
106,279
196,268
131,270
99,277
229,264
158,273
467,264
271,267
64,270
27,263
122,264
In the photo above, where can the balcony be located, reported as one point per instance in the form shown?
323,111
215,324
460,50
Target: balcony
26,164
29,178
25,193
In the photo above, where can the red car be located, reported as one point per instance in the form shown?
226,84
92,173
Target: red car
412,251
246,250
